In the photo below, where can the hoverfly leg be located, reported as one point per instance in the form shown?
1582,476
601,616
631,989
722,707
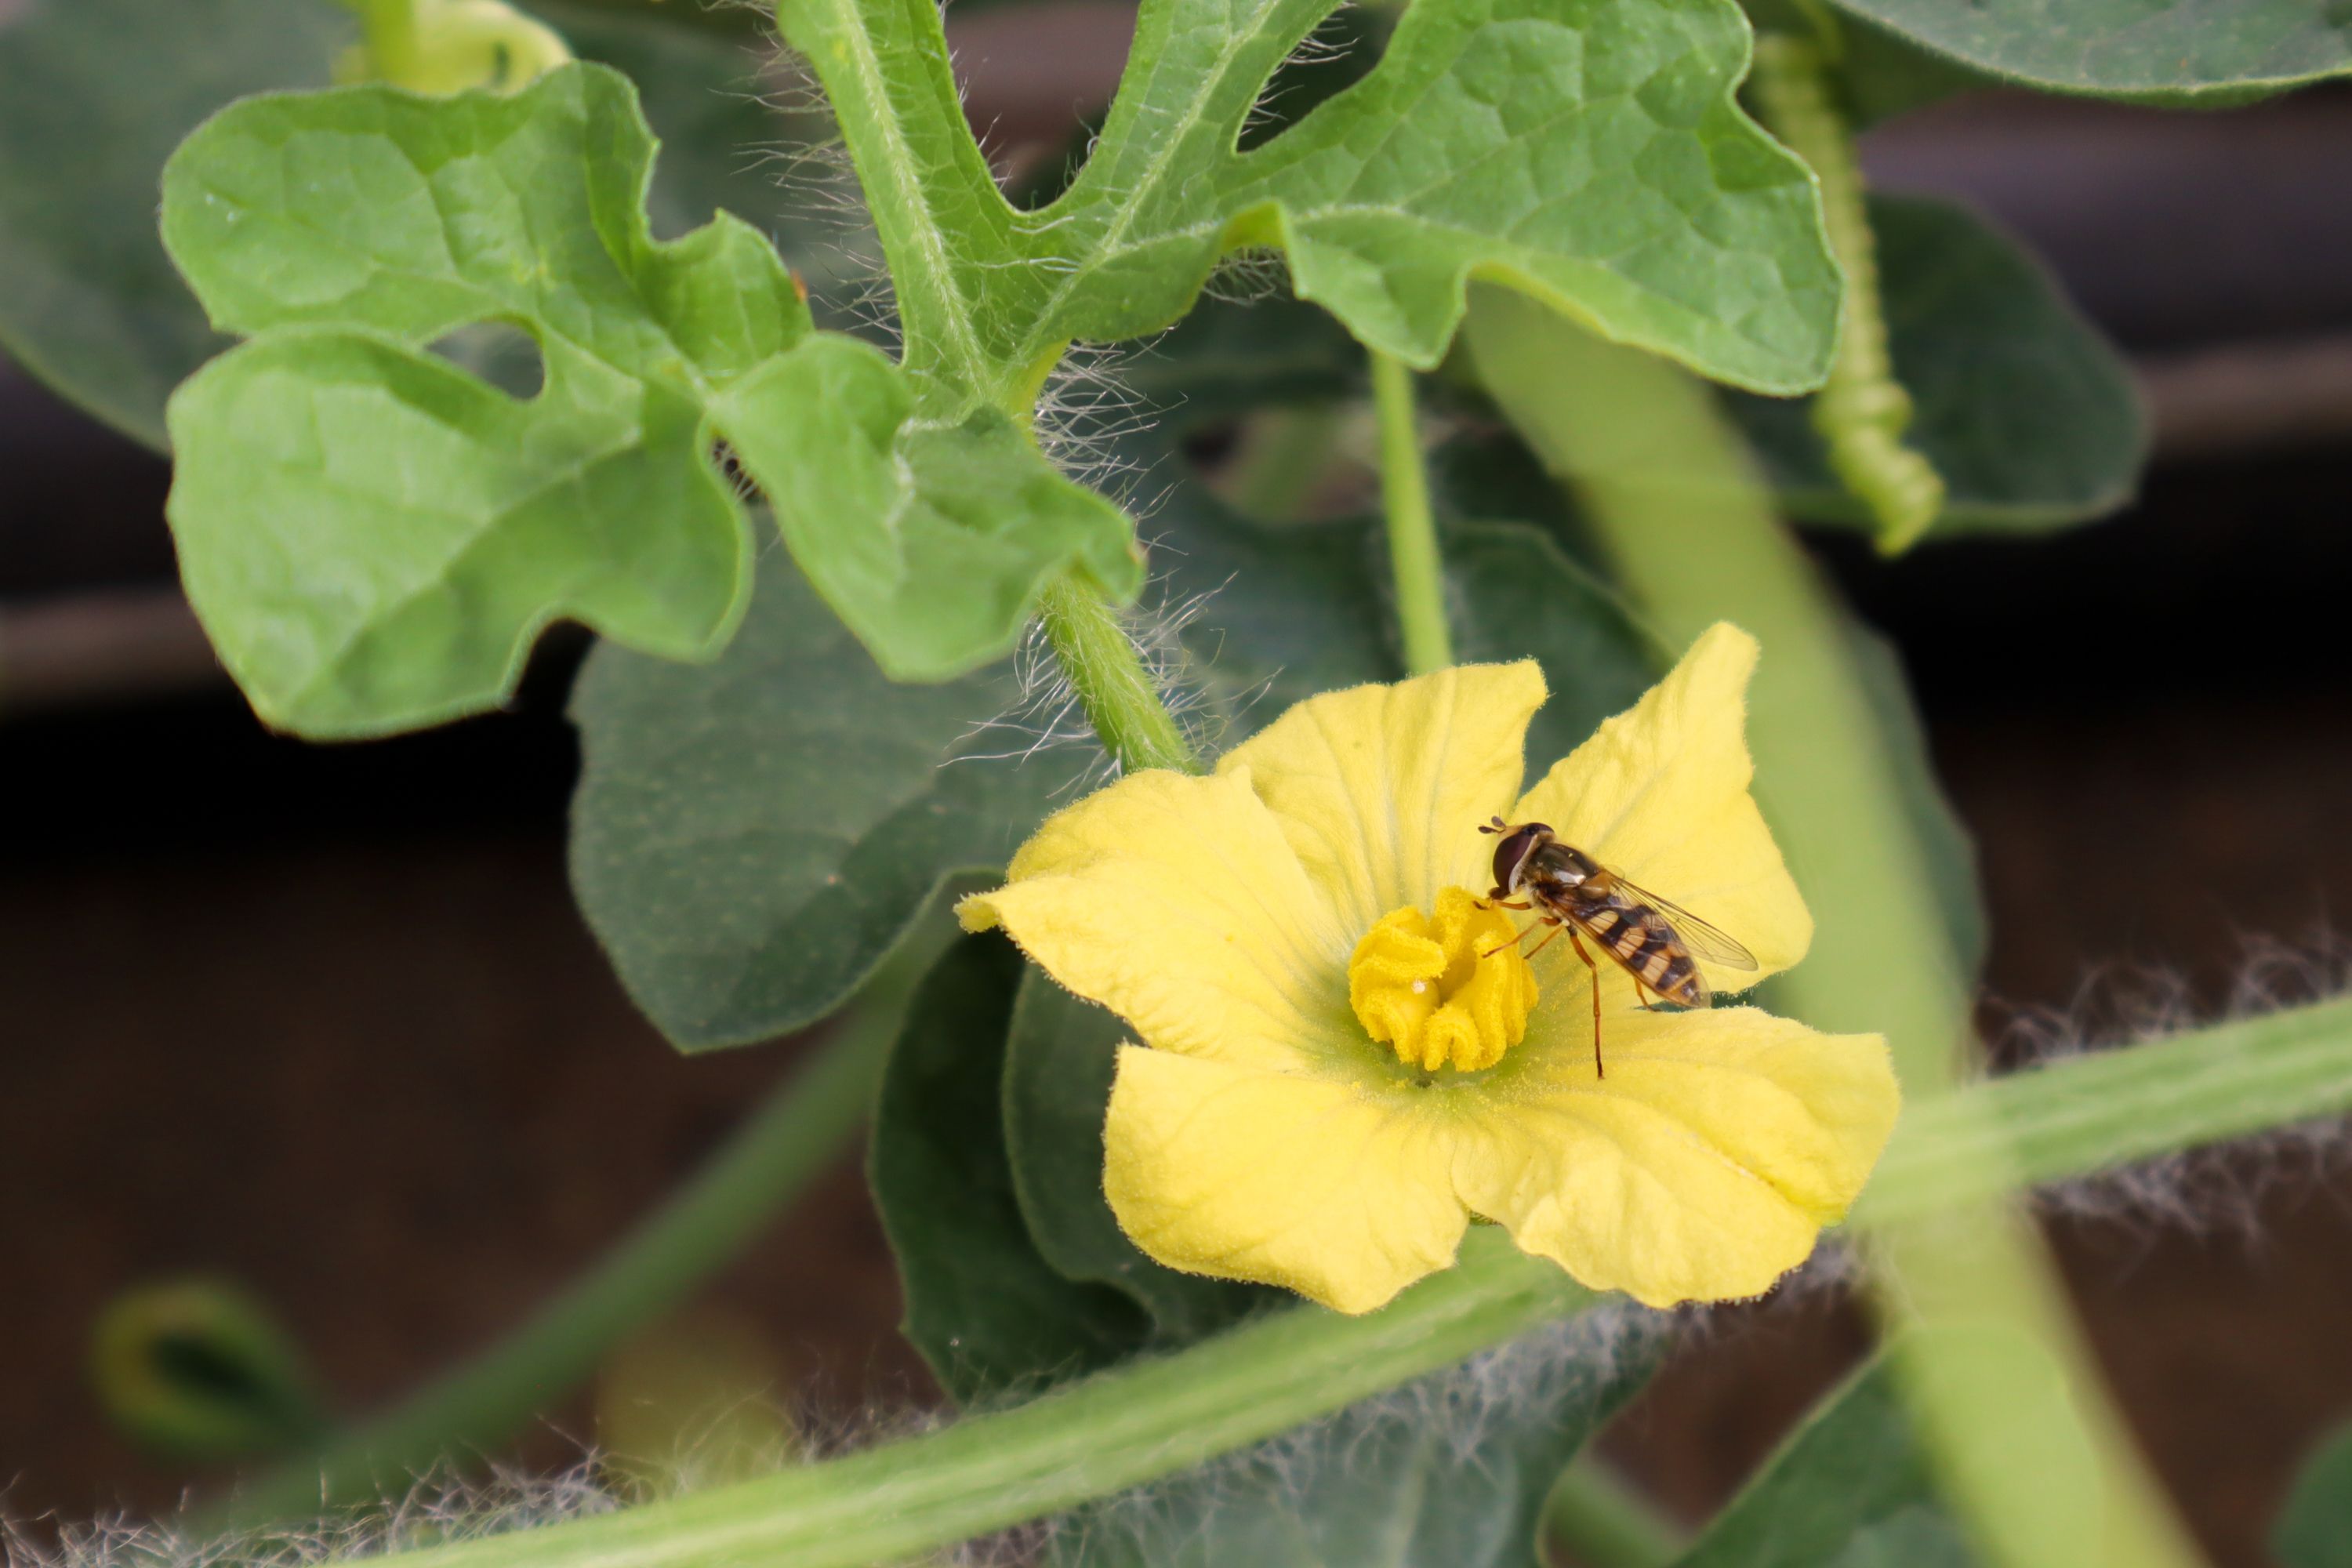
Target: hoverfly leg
1597,1070
1523,936
1557,927
1639,995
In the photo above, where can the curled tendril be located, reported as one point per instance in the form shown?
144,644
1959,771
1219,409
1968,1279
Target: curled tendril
1862,411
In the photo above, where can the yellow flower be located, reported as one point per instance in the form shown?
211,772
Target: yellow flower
1342,1060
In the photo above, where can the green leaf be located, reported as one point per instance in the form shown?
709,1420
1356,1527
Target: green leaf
89,301
1453,1470
752,836
1854,1487
2021,404
374,539
1058,1062
2315,1529
2204,52
977,520
989,1314
1591,155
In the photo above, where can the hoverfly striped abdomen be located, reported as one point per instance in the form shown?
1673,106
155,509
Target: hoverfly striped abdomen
1642,940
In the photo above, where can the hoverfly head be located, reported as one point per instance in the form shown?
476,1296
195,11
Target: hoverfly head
1516,847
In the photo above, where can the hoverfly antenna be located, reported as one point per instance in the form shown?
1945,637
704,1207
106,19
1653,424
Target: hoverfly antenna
1499,826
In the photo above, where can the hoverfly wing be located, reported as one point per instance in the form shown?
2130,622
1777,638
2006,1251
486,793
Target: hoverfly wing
1703,939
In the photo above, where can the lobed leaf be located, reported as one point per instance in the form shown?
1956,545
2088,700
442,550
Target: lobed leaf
89,301
1588,153
929,543
2021,404
374,539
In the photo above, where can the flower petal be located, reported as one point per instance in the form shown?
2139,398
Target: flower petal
1382,789
1334,1190
1700,1169
1660,793
1175,902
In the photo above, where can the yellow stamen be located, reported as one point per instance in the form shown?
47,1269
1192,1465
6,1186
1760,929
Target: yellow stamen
1450,992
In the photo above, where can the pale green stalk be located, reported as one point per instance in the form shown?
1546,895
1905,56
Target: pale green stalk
1665,487
1420,573
2096,1112
1114,686
1154,1418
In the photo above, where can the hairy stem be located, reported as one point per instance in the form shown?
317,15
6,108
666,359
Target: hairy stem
1119,1430
1120,697
802,1126
1153,1418
1412,532
1666,487
2097,1112
1862,411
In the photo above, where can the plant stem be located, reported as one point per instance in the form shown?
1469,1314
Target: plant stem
1122,1429
1862,411
2096,1112
802,1126
1154,1418
1120,697
1665,486
1597,1518
1412,532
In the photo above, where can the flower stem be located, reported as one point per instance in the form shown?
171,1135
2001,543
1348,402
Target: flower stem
804,1125
1665,486
1121,698
1862,411
2096,1112
1147,1420
1412,532
1154,1418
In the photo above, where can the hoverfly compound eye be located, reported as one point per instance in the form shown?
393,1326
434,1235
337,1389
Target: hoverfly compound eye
1511,853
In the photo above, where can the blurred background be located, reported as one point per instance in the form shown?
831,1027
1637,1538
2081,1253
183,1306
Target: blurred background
324,1021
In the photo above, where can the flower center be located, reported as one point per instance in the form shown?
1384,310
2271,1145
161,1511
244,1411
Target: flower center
1448,992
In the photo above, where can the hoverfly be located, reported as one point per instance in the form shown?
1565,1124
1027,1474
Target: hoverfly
1655,940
